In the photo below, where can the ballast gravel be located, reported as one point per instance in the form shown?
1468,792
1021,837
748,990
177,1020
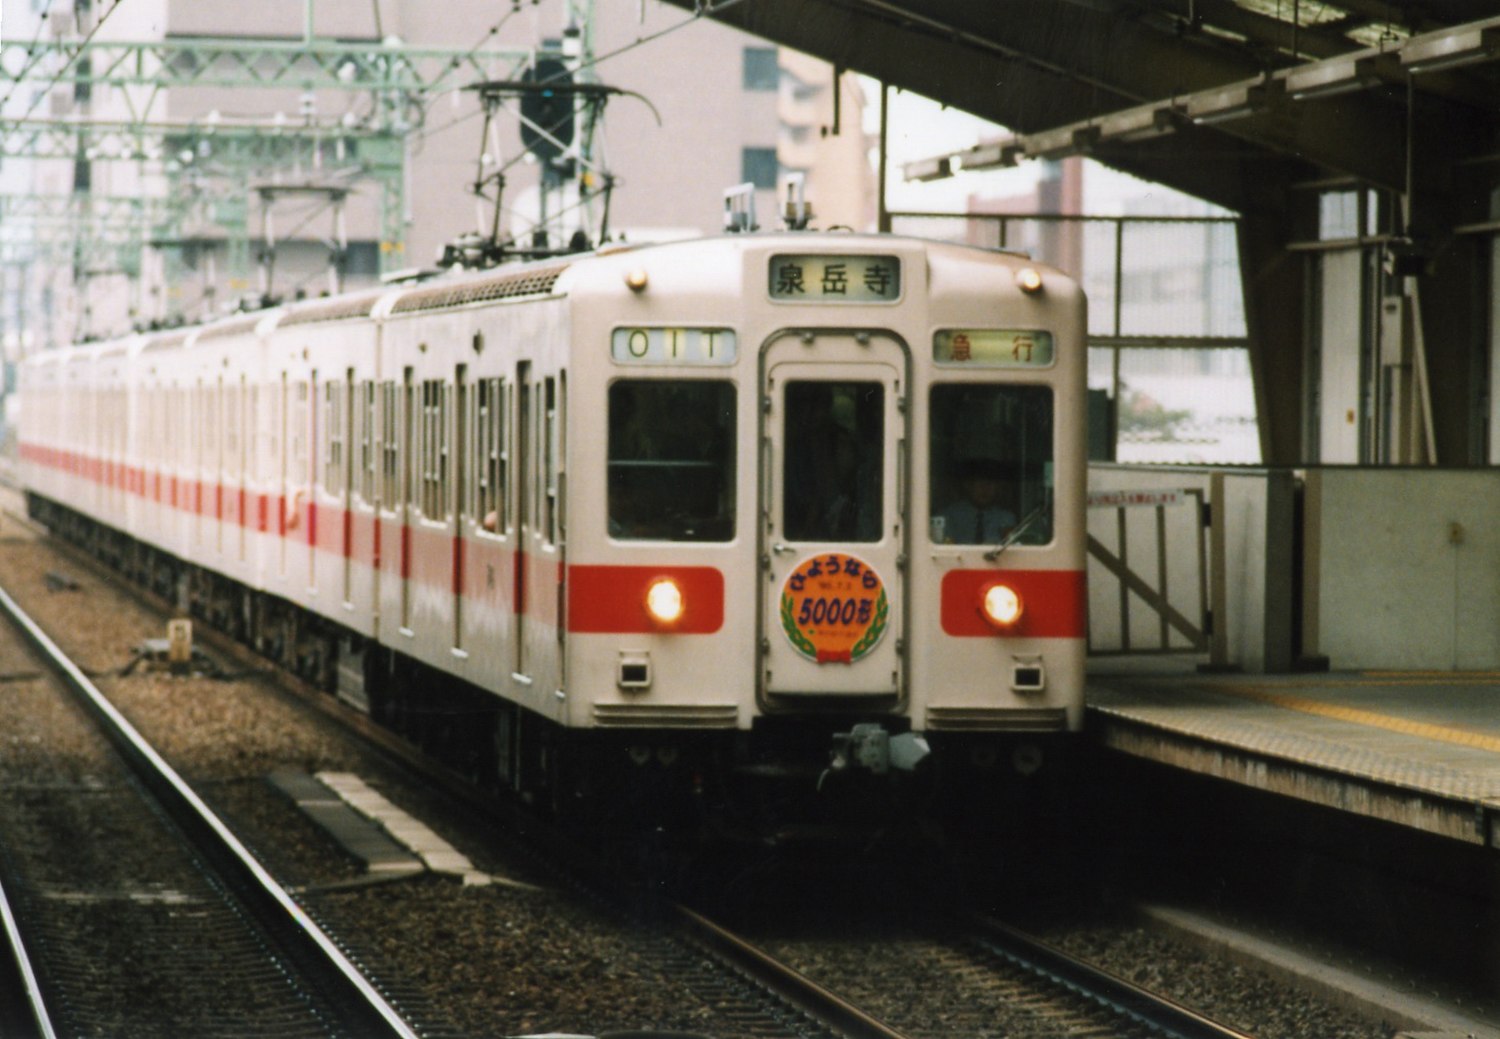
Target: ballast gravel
503,960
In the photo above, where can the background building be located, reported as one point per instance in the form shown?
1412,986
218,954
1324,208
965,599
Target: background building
265,147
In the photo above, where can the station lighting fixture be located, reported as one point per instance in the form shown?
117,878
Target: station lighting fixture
1448,50
1061,143
664,601
1238,101
1141,124
993,155
1001,605
929,169
1341,76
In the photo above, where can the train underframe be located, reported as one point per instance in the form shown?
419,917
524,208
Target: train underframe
789,775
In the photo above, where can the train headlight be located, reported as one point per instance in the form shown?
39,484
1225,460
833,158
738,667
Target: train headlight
637,280
1029,279
1001,605
664,601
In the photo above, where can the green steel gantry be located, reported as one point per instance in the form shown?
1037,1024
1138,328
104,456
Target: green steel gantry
211,159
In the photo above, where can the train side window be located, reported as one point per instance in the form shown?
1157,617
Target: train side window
671,460
552,447
991,464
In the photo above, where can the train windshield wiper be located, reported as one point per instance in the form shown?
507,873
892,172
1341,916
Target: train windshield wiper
1020,528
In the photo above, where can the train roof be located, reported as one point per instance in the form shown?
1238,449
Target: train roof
511,281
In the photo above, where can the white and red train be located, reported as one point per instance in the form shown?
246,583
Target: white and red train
780,505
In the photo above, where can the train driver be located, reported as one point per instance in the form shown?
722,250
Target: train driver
980,516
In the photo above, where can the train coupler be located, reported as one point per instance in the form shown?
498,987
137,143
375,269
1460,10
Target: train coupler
869,746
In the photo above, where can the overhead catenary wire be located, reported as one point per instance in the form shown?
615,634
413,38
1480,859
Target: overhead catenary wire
77,53
697,16
33,56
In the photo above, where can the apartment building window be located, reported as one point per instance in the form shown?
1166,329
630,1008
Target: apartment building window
758,167
761,72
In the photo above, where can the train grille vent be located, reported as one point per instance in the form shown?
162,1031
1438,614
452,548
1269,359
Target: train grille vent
677,716
332,310
171,339
240,326
996,719
528,283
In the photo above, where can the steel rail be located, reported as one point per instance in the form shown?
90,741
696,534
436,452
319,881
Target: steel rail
1162,1015
298,937
795,988
22,1017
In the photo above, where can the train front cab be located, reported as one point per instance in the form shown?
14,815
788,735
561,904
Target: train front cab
921,471
830,609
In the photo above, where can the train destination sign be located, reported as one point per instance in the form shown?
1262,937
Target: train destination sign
822,278
673,346
994,348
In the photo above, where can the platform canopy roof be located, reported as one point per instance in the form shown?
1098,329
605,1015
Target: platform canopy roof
1234,101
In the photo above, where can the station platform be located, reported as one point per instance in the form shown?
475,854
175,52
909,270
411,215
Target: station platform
1416,748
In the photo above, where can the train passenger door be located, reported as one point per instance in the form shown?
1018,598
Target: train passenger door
525,521
460,504
833,523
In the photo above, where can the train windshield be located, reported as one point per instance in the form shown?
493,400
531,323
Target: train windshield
834,443
671,460
991,464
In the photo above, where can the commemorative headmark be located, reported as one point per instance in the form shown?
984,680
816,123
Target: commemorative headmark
834,608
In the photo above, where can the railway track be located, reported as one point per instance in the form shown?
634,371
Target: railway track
765,996
230,929
1057,994
1082,982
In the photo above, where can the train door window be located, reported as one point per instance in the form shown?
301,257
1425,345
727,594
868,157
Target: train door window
492,422
445,459
168,456
268,430
550,457
409,461
390,445
366,433
671,460
334,437
834,439
460,444
298,425
991,466
520,510
209,410
434,450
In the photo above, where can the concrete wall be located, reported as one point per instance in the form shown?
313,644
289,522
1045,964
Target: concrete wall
1254,588
1402,568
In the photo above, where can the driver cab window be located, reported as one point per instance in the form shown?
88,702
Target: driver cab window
671,460
991,465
